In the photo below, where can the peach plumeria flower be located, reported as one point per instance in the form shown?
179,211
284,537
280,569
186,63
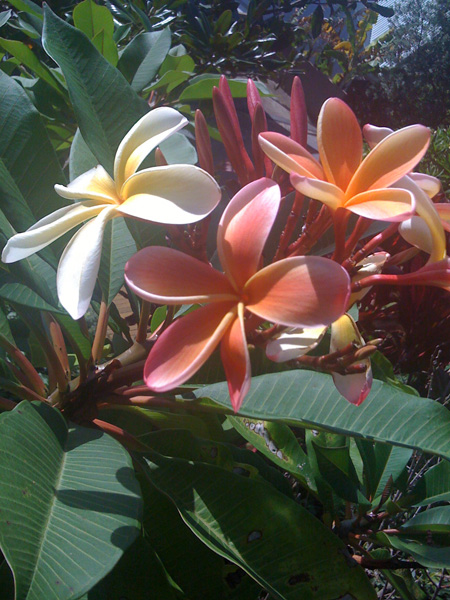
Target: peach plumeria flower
172,194
296,292
342,180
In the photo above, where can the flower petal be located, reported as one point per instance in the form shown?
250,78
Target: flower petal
154,127
79,264
395,156
186,345
302,291
294,343
356,386
173,194
328,193
339,141
429,184
95,184
236,360
373,134
443,211
244,228
289,155
167,276
389,204
417,233
371,265
47,230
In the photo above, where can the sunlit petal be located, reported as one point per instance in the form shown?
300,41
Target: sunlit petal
356,386
443,211
143,137
294,343
289,155
328,193
236,361
244,227
167,276
339,141
95,184
389,204
371,265
183,348
47,230
393,157
174,194
429,184
299,292
417,233
373,134
79,264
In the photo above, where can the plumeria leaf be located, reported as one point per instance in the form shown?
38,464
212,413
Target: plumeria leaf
62,528
28,154
17,293
262,530
81,158
98,24
104,113
309,398
158,47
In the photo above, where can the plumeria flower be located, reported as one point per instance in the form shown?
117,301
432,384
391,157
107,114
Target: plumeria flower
342,179
355,387
174,194
296,292
294,342
426,229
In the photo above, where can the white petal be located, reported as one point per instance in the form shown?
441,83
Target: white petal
47,230
95,184
173,194
371,265
294,343
143,137
79,264
374,134
429,184
417,233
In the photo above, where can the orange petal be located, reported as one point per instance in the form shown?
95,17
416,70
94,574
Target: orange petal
443,211
339,141
325,192
244,227
236,360
395,156
167,276
302,291
289,155
186,345
390,204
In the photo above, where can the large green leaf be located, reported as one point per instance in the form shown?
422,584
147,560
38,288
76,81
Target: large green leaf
17,293
434,486
98,24
28,154
310,399
69,502
279,543
105,105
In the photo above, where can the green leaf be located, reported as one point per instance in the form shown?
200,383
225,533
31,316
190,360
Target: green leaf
310,399
148,68
27,6
177,149
27,57
5,15
202,86
69,501
81,158
118,247
104,112
27,153
434,486
98,24
17,293
317,21
279,444
279,543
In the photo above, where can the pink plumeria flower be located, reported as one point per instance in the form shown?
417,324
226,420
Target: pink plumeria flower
426,229
342,180
355,387
295,292
173,194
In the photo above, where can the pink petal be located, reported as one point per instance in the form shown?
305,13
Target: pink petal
373,134
186,345
429,184
395,156
244,227
289,155
236,361
339,140
167,276
390,204
303,291
443,211
354,387
325,192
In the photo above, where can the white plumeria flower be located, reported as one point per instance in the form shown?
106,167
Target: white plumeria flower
172,194
426,229
293,343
